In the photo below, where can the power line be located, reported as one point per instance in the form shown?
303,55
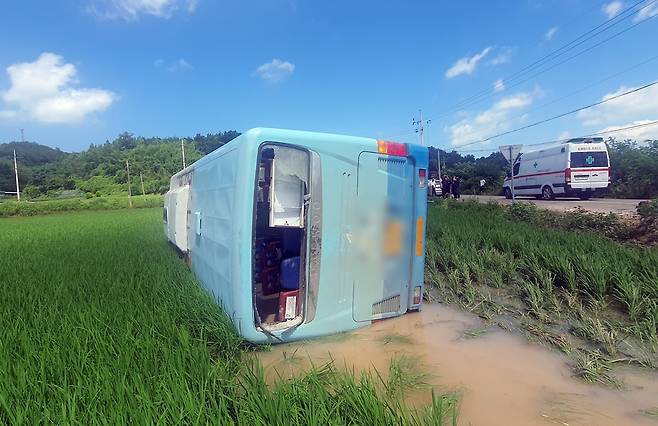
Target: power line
490,95
555,117
556,53
604,132
653,58
620,17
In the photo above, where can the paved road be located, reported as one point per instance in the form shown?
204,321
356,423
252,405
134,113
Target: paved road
599,205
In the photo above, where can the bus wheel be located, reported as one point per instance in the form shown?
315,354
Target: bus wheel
507,193
547,193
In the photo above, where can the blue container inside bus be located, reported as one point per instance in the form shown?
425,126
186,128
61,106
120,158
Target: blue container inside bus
299,234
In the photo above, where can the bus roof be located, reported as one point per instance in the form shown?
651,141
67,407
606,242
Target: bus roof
303,138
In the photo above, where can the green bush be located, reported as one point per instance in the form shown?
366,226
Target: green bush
648,212
608,225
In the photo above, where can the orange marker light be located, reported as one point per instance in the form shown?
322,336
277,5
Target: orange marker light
419,236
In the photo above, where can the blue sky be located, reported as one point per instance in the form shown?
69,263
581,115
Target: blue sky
80,72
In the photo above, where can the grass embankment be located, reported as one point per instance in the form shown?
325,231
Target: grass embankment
110,202
100,322
591,297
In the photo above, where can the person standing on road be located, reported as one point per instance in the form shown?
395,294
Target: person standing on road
482,183
455,187
445,186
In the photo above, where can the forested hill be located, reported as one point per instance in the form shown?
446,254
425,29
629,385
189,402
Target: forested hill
101,169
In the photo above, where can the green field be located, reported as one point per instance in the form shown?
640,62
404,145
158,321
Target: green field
100,322
108,202
593,298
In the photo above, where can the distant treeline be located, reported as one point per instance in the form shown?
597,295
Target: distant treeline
634,169
101,169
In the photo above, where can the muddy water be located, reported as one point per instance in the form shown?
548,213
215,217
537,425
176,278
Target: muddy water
502,379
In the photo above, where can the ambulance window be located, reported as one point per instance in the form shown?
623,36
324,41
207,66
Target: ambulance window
516,168
589,159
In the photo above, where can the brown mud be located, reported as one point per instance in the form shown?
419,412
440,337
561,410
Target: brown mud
501,378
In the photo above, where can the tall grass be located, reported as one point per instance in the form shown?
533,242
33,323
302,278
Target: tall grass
100,322
471,243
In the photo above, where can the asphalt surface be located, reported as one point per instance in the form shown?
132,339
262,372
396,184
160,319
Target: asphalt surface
598,205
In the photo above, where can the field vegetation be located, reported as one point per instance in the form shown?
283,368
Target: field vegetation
109,202
101,323
579,291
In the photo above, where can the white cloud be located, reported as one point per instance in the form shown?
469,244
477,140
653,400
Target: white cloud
646,12
499,85
491,121
638,133
612,9
178,65
467,64
276,70
642,105
132,10
43,91
504,56
550,33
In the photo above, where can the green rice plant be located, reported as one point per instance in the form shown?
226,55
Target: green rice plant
475,332
396,339
110,202
595,330
102,323
405,374
534,297
593,367
653,411
478,245
542,334
628,292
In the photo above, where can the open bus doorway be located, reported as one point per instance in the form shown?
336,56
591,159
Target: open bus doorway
279,238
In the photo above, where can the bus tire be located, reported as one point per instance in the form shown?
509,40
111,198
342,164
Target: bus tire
547,193
507,193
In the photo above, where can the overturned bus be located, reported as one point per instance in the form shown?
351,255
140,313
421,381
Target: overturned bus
299,234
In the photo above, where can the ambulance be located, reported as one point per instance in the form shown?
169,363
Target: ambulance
576,168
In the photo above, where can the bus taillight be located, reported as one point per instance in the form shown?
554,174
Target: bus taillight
567,175
418,294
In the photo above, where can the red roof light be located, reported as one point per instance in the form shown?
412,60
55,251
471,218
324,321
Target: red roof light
392,148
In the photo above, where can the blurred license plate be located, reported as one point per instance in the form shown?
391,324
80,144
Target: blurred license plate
393,238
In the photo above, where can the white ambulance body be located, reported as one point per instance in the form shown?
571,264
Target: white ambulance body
577,168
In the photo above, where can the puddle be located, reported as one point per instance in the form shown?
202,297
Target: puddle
502,379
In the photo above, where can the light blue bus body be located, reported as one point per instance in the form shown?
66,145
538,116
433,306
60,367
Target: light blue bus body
363,236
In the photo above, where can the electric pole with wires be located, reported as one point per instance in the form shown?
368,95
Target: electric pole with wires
420,129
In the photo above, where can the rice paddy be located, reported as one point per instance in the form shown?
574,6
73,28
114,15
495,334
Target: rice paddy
101,323
586,295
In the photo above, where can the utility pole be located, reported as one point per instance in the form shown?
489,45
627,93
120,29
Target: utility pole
18,190
182,148
420,125
142,180
130,201
420,129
